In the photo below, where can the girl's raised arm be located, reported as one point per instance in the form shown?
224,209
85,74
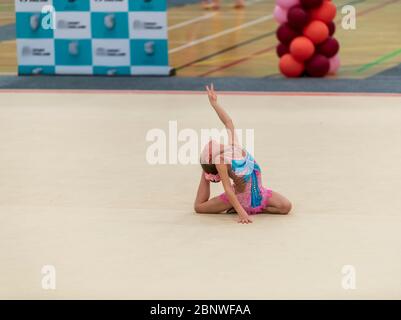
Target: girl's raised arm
224,117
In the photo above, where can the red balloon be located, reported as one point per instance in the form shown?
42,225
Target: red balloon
302,48
326,12
290,67
286,34
317,31
281,50
318,66
332,28
329,48
309,4
297,17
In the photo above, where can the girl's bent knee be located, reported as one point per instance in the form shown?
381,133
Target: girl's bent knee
198,208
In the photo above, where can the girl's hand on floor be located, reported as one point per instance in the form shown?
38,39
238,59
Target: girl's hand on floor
244,218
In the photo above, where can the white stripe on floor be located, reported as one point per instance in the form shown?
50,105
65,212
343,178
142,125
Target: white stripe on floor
197,19
222,33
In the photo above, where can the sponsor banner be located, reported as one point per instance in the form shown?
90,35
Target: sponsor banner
109,5
110,25
31,5
150,70
102,37
74,70
148,5
111,71
33,25
111,52
31,52
73,52
35,70
73,25
147,52
71,5
145,25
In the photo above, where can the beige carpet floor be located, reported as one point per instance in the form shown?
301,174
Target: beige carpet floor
77,193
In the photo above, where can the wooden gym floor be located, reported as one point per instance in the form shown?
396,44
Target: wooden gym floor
241,43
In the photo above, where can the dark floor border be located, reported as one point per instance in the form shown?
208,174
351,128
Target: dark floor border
372,85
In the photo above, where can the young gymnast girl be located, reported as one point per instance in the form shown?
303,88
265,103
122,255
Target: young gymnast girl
223,163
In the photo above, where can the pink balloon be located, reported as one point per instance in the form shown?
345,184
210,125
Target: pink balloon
334,64
286,4
280,14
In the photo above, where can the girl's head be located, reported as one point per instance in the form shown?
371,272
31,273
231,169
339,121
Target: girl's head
207,161
211,173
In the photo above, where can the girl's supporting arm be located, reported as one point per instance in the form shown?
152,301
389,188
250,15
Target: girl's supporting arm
243,215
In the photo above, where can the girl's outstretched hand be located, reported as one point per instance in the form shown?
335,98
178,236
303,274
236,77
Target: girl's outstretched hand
244,218
212,95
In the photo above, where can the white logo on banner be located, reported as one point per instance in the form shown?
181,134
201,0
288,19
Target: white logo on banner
34,21
110,21
149,48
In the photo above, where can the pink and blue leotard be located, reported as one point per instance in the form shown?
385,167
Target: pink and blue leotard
254,198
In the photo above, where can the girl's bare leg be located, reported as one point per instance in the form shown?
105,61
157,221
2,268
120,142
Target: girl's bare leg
278,204
203,204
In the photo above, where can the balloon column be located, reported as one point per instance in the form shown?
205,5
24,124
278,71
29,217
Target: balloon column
307,46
